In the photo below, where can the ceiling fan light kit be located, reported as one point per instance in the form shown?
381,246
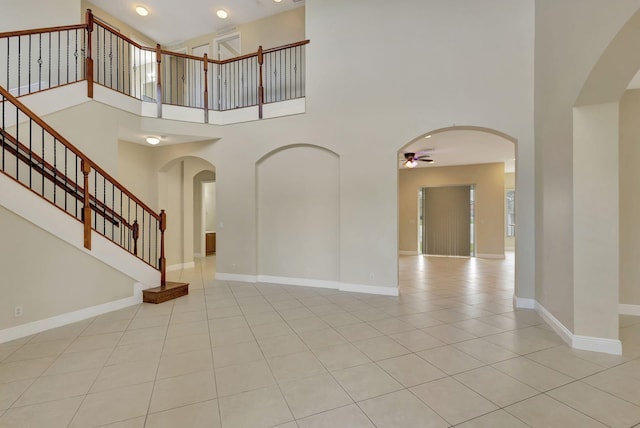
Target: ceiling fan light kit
412,159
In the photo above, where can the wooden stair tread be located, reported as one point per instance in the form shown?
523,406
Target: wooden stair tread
170,291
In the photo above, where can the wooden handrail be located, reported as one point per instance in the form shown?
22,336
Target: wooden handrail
75,150
122,36
42,30
289,46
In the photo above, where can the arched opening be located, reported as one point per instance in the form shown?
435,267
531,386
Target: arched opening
180,188
457,199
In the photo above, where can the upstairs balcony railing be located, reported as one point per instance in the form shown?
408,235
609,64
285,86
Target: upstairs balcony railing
36,156
95,52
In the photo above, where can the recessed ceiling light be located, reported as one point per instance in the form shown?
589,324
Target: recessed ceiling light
153,140
222,14
428,136
277,1
142,11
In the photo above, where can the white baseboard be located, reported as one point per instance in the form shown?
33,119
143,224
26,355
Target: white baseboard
408,253
236,277
523,302
306,282
629,310
585,343
13,333
181,266
490,256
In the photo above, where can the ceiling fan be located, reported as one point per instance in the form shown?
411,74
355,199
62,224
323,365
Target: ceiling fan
411,159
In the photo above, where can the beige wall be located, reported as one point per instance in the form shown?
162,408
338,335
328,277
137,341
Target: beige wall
19,14
489,182
273,31
136,172
49,277
629,198
562,65
125,29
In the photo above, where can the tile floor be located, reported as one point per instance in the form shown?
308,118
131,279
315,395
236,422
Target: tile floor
450,351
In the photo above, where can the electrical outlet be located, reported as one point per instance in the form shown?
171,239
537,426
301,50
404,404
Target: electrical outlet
18,311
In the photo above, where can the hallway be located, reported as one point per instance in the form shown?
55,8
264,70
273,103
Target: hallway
450,351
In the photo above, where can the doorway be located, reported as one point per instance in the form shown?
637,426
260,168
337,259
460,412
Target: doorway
446,220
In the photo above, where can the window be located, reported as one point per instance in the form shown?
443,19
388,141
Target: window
511,213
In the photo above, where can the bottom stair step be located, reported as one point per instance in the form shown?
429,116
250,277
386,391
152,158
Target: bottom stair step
172,290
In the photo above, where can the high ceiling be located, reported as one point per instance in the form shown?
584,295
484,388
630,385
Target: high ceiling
170,21
463,147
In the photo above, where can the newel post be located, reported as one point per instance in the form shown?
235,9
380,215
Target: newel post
159,80
89,59
260,87
86,209
206,89
163,260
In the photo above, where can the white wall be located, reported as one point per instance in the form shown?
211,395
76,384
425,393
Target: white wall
209,201
22,15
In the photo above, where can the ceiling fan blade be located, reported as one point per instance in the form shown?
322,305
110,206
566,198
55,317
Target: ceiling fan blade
425,160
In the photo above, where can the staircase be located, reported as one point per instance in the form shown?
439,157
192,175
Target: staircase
41,160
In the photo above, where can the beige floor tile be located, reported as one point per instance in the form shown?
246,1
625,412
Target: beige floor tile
496,386
238,353
99,341
57,387
231,336
452,400
135,352
181,344
125,374
520,342
187,362
476,328
391,326
420,320
411,370
279,328
617,383
450,360
366,381
70,331
340,319
295,366
341,356
295,313
533,374
199,415
76,361
191,316
27,369
223,324
366,315
485,351
317,339
51,348
99,326
401,409
448,334
182,390
416,340
143,335
544,412
243,377
9,392
129,423
223,312
564,362
148,322
308,324
254,409
600,405
497,419
114,405
263,318
52,414
313,395
359,331
187,328
381,348
349,416
282,345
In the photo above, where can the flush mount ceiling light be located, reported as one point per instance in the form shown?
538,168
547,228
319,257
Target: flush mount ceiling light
428,136
142,11
153,140
222,14
277,1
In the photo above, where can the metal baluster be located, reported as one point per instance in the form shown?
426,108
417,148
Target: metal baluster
19,62
67,67
29,69
40,62
50,59
59,58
